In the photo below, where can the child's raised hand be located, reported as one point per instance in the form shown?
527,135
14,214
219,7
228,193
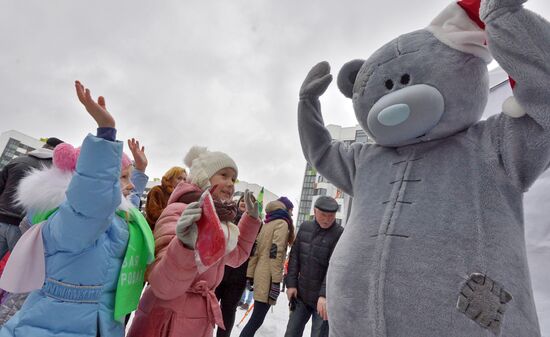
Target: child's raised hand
251,205
140,159
96,109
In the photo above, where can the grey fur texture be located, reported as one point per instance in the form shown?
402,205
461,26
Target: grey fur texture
430,212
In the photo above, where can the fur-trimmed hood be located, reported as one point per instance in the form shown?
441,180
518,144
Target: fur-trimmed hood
44,189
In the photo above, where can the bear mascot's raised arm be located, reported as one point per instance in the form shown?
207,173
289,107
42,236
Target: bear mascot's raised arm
434,245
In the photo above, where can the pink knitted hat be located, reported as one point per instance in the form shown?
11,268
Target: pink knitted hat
65,157
125,161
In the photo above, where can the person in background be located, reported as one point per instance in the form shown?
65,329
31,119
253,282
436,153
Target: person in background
233,283
288,204
11,213
307,269
158,196
248,293
265,269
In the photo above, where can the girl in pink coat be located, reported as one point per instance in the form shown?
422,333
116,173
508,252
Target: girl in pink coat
179,300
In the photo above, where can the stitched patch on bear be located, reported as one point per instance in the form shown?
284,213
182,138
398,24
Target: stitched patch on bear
484,301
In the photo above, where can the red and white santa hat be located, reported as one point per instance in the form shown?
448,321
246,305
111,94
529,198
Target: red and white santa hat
460,27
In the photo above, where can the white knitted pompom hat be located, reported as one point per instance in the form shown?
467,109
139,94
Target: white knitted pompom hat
203,164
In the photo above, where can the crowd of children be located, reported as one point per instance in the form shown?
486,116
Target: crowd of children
87,257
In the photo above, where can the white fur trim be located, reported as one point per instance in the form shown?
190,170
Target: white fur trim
44,189
454,28
231,232
125,204
512,108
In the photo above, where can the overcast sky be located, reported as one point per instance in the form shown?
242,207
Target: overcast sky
223,74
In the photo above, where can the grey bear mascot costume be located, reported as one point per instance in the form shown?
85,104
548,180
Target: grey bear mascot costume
434,245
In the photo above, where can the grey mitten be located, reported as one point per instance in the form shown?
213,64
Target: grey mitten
251,205
488,7
317,81
186,228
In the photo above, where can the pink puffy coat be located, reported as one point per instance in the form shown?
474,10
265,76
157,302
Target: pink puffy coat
179,301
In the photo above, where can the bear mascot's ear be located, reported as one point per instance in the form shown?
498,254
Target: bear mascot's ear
348,75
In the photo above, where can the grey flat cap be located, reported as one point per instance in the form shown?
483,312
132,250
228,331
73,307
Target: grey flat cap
326,204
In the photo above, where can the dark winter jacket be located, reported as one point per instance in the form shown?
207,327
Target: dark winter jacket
236,277
309,258
10,176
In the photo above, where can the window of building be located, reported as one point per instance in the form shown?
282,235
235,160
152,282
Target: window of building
361,136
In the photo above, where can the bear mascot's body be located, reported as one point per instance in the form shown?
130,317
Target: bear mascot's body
434,245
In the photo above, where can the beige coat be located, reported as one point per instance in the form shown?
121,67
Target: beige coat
266,263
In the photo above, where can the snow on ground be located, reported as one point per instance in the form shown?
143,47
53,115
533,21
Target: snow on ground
275,321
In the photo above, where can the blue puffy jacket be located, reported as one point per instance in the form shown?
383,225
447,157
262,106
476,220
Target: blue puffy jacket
84,245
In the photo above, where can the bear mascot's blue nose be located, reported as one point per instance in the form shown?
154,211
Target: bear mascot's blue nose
394,115
405,114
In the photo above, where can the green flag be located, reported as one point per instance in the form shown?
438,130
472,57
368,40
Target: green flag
261,203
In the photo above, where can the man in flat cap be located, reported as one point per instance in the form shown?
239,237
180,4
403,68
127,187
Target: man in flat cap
307,269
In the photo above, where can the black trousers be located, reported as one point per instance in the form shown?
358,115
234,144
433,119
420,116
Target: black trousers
228,294
258,315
